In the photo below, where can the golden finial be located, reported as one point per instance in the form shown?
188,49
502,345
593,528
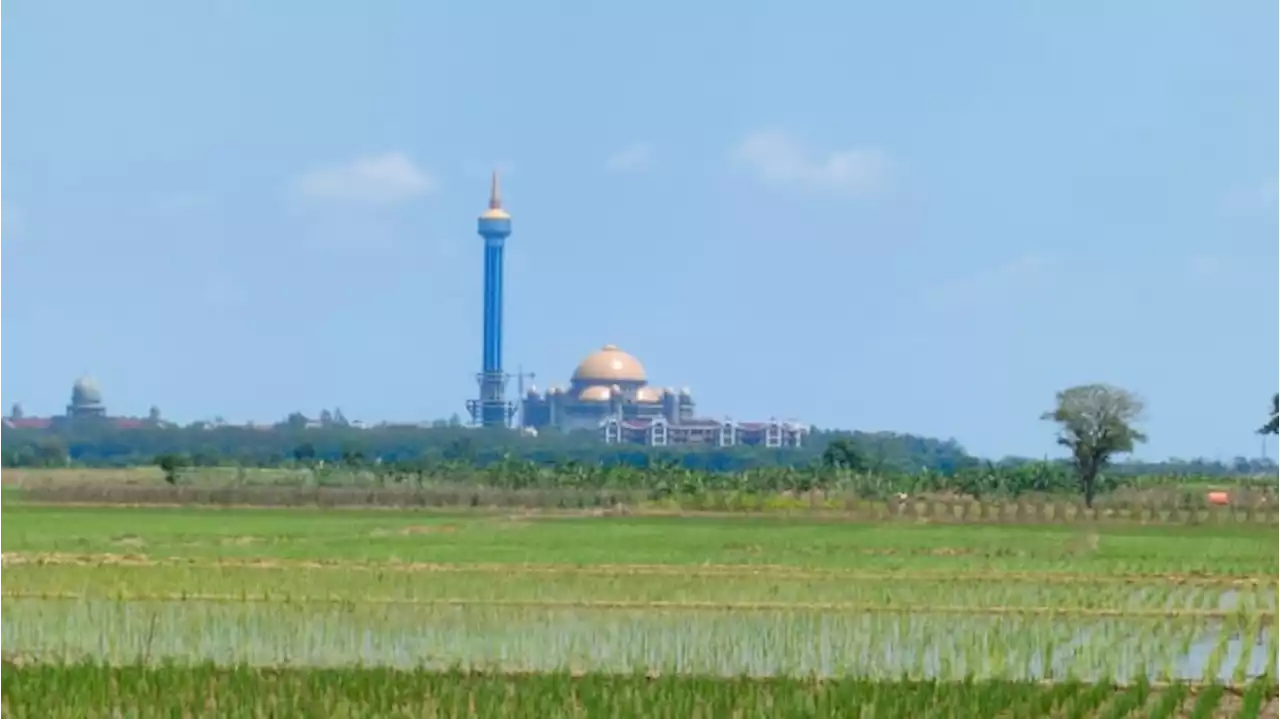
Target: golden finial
495,193
495,211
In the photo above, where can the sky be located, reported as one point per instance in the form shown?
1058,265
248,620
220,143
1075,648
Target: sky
918,217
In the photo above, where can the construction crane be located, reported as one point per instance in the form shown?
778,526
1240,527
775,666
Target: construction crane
520,377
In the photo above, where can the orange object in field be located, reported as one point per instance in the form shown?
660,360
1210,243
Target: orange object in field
1217,497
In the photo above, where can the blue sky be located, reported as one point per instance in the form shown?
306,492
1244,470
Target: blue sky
913,216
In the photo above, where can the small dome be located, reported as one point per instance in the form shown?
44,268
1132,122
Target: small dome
610,365
533,390
595,394
495,213
85,391
648,394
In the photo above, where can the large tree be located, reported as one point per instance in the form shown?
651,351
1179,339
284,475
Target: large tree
842,453
1095,422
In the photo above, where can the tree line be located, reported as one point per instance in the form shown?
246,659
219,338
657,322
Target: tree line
1096,424
97,444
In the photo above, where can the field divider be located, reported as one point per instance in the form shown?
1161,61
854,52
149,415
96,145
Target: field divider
770,571
648,605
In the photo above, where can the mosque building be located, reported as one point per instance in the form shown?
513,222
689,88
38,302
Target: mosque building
86,406
608,393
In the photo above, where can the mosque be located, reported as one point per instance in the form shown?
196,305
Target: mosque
86,406
608,393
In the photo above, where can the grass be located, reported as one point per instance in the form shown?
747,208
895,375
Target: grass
222,476
164,611
383,536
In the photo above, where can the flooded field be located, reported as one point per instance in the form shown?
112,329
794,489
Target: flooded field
1017,606
724,641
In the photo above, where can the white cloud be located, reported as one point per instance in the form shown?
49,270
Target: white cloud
633,158
776,157
383,179
1250,199
10,219
1019,275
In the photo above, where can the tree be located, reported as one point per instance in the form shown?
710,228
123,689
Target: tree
1272,426
52,452
1095,422
842,453
171,464
304,453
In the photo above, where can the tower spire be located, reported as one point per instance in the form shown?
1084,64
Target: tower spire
495,193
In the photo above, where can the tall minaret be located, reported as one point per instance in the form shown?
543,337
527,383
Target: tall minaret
492,408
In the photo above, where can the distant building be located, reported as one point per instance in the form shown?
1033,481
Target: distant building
609,393
86,406
86,400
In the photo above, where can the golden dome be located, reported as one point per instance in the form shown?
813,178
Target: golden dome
610,365
648,394
495,213
595,394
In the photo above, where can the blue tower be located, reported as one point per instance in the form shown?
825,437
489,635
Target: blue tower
492,409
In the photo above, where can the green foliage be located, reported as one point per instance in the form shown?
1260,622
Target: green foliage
1273,424
171,465
1095,422
83,690
843,453
98,444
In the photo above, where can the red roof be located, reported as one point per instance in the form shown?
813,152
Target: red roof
47,422
29,423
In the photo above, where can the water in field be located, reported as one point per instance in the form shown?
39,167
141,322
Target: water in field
686,641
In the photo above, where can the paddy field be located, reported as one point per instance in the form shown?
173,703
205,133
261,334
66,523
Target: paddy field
190,611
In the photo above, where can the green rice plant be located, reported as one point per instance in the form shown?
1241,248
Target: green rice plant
1258,693
1249,630
96,690
1084,703
1128,700
1168,701
794,642
1273,651
1206,702
1213,668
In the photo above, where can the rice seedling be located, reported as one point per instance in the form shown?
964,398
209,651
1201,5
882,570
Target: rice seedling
97,690
1206,702
238,613
795,642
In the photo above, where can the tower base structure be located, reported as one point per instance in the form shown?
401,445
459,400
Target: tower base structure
492,408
